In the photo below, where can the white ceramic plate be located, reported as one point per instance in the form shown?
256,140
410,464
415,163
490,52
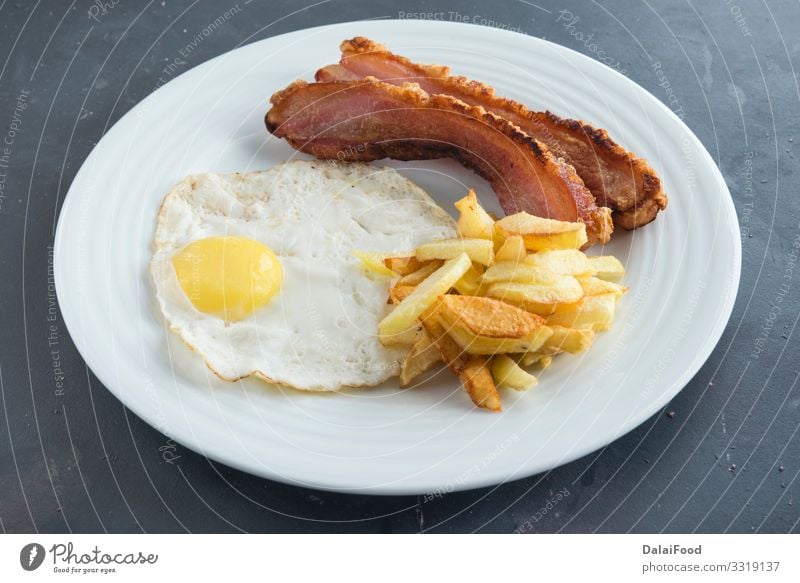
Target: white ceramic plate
683,272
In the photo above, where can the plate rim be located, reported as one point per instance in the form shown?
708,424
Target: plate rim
489,479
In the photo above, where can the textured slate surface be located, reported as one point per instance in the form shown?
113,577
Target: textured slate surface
723,456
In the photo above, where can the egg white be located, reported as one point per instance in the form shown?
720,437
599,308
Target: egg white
319,331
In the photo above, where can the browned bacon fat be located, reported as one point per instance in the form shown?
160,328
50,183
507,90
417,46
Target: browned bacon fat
617,178
365,120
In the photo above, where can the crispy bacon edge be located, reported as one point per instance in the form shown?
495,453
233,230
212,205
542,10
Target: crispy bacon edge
636,197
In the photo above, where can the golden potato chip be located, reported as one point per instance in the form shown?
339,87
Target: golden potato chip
512,249
477,344
561,261
558,289
402,265
470,282
405,315
479,384
572,340
400,292
422,356
479,250
593,286
373,263
542,234
421,274
473,221
517,272
508,374
607,267
488,317
596,312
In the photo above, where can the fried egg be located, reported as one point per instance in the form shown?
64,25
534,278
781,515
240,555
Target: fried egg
258,273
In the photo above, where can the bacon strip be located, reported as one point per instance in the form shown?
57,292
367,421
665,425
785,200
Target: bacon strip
367,120
616,177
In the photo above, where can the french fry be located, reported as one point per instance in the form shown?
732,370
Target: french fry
485,326
530,358
482,325
400,292
373,263
402,265
471,370
470,282
607,267
478,344
473,221
562,262
560,289
542,234
536,359
405,314
479,250
508,374
512,250
418,276
396,295
593,286
572,340
596,312
519,273
497,237
479,384
422,356
481,316
451,353
518,286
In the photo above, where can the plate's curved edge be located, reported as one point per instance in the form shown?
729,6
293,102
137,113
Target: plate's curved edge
72,321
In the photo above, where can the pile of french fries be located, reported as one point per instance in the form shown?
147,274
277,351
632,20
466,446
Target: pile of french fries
500,300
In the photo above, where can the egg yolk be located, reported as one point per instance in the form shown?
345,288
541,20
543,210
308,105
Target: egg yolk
228,276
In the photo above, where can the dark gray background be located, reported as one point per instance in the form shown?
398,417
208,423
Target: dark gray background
723,456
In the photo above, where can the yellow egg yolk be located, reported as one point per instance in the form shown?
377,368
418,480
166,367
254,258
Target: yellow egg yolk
230,277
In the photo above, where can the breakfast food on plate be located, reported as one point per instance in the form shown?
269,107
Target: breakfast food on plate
369,120
501,297
617,178
257,272
322,276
